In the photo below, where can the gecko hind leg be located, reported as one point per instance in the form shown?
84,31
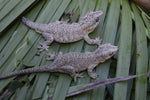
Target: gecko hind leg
76,75
45,45
71,71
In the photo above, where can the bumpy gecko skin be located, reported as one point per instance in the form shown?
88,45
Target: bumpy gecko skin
73,63
63,32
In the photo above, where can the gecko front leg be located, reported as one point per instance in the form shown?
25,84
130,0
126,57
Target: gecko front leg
90,69
45,45
92,41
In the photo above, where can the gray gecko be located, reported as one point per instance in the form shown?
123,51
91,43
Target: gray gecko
73,63
63,32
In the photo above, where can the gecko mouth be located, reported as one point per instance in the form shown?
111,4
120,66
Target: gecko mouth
92,26
111,54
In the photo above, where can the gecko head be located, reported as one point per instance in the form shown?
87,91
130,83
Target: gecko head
105,51
91,20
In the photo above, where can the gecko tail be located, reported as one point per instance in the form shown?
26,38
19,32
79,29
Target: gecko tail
24,20
45,68
30,23
36,26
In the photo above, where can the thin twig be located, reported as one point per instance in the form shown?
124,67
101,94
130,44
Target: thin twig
100,83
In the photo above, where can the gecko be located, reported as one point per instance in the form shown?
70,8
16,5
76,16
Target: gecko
63,32
72,63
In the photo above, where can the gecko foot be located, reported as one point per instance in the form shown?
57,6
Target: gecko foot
98,41
43,47
50,56
78,75
94,75
53,55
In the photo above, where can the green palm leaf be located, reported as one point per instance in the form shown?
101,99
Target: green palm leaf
122,24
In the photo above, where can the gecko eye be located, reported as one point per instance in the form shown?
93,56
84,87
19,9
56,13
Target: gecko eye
97,19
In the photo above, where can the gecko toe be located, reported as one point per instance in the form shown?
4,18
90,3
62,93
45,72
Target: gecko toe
98,41
80,75
43,47
94,75
50,56
77,75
